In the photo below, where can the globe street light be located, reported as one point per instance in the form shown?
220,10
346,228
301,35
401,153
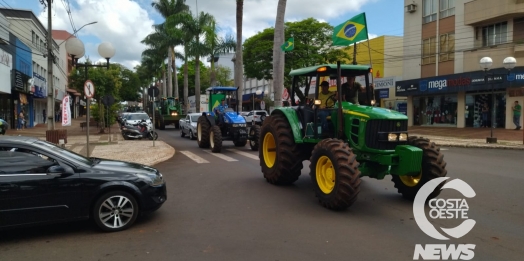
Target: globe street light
486,63
76,49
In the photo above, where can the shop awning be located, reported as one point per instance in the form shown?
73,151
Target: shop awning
71,90
77,94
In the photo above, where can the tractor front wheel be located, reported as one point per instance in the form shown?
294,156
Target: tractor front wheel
433,166
254,132
279,154
203,128
334,171
215,139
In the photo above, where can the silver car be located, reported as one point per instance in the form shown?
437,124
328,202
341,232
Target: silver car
188,125
136,117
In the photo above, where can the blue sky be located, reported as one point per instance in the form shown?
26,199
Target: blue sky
124,23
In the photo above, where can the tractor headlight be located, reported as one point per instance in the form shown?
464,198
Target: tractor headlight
403,137
392,137
174,114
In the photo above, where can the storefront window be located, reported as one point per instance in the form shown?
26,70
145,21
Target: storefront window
435,110
473,112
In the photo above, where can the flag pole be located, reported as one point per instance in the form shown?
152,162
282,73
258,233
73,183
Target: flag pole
368,88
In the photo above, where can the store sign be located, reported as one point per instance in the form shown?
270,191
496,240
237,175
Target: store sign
19,80
442,84
39,86
406,88
383,83
383,94
491,79
6,64
516,92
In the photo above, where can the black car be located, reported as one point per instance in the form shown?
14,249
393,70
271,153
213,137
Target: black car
42,183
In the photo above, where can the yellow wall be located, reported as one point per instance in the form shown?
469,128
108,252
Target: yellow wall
377,54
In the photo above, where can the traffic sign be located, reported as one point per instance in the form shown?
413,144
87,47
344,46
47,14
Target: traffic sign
262,105
153,91
89,89
285,94
108,100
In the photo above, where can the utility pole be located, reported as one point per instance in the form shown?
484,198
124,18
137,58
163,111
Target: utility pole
50,82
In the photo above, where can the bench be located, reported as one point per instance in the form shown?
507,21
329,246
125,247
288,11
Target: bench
91,123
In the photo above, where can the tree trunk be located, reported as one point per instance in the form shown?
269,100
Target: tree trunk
213,73
169,75
186,83
164,92
197,83
278,54
239,65
175,74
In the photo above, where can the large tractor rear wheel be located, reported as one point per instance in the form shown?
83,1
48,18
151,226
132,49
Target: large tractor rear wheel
334,171
279,154
254,132
215,139
433,166
203,128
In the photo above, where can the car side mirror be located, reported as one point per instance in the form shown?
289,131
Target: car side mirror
58,170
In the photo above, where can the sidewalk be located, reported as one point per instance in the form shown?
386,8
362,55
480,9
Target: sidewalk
443,136
103,145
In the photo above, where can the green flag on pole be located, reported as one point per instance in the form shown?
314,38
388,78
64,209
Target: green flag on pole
288,45
351,31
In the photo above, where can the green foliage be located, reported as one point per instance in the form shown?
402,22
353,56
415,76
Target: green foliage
204,78
130,86
312,46
105,81
99,114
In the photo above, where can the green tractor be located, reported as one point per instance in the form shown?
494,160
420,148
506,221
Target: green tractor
168,111
364,141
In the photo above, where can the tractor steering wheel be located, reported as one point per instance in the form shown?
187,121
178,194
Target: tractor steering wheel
334,99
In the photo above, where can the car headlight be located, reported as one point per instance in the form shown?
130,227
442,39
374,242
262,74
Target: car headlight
403,137
152,179
392,137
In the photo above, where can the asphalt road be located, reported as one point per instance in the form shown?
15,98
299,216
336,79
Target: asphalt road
223,209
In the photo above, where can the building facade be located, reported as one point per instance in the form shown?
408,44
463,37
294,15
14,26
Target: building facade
7,53
29,36
444,41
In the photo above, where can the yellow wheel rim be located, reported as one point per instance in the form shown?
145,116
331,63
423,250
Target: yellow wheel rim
325,174
411,181
269,150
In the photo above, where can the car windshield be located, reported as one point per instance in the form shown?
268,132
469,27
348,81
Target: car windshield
134,117
63,152
260,113
194,118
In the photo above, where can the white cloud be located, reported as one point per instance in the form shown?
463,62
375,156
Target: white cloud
123,23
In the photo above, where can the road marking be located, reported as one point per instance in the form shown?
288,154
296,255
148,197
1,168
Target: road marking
222,156
443,149
194,157
244,154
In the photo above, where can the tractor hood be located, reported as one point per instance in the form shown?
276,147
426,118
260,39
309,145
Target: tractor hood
233,117
370,112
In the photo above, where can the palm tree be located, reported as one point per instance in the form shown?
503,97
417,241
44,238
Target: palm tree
167,8
218,45
239,64
278,55
196,27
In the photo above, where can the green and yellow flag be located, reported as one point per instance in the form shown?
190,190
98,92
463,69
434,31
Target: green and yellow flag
351,31
289,45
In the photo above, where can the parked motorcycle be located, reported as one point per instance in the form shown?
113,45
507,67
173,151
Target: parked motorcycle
3,127
140,131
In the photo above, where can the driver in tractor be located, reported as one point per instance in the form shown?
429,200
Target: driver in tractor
220,110
327,100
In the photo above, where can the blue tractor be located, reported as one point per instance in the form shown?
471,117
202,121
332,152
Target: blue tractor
213,127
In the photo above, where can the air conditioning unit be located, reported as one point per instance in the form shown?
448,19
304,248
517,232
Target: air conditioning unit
411,8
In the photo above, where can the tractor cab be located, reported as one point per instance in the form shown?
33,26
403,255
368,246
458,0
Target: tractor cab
310,101
227,97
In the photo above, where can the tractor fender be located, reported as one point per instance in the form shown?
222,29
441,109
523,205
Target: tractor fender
293,120
210,118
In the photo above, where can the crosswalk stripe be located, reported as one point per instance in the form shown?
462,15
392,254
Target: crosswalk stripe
194,157
222,156
255,157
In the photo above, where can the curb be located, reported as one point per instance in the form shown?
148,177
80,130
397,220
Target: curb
169,155
480,146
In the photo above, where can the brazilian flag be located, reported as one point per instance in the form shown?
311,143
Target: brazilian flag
351,31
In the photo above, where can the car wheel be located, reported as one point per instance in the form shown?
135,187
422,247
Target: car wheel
115,211
191,135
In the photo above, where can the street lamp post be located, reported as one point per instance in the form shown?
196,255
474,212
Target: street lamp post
75,48
258,92
485,64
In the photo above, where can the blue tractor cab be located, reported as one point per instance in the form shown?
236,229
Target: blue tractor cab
214,127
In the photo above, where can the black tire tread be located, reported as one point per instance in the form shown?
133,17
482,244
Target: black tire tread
217,139
288,164
204,143
256,130
433,166
347,180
